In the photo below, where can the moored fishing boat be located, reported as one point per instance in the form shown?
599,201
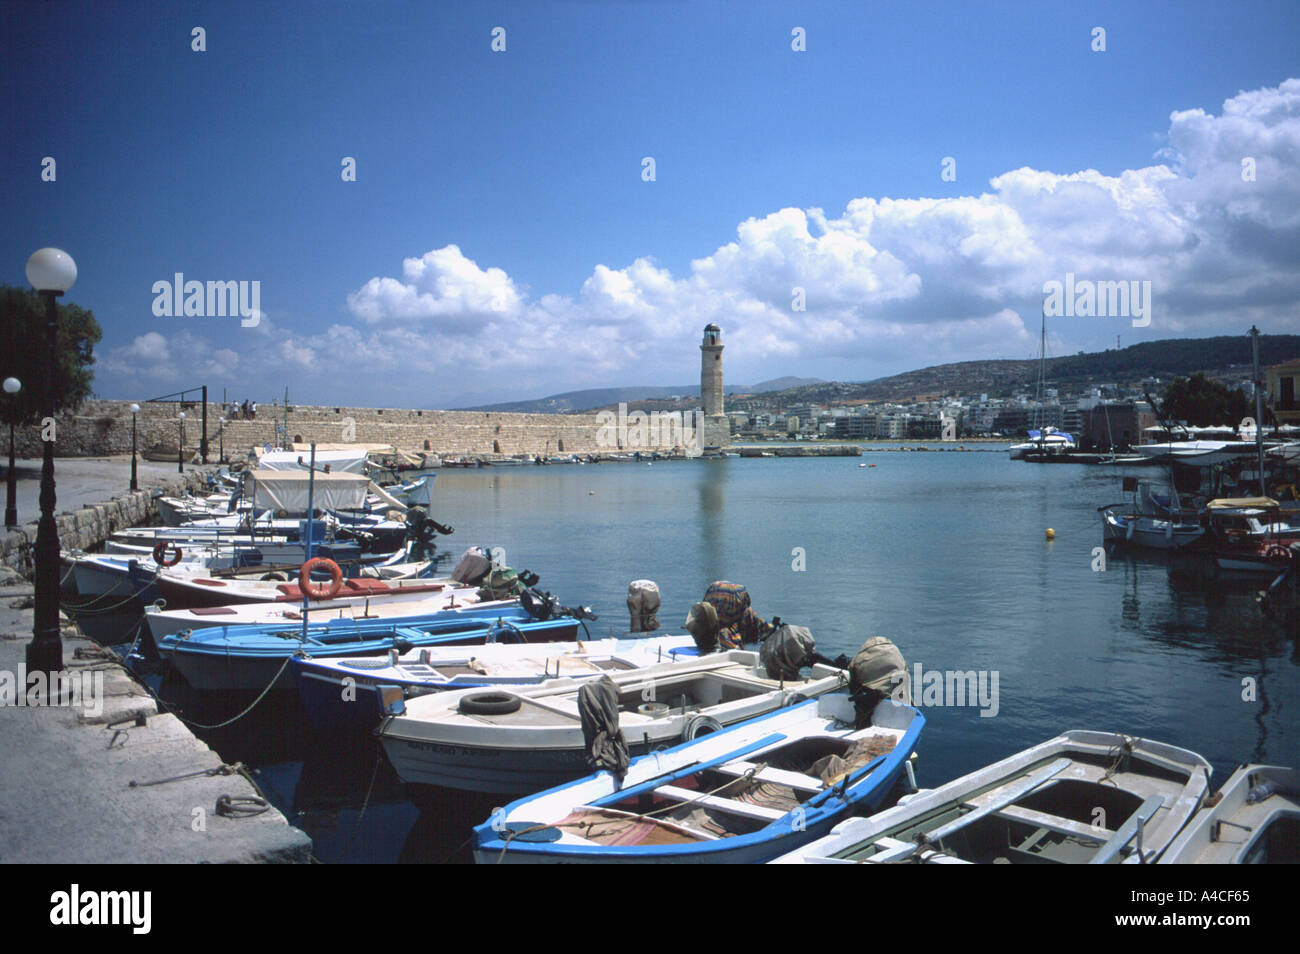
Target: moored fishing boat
1250,535
358,599
257,657
359,691
448,739
743,794
1156,518
1082,797
1156,533
1253,819
193,584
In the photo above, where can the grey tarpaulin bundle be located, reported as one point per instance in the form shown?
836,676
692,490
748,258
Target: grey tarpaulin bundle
878,671
702,624
643,603
605,745
787,651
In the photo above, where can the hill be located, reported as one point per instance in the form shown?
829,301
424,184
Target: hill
575,401
1227,358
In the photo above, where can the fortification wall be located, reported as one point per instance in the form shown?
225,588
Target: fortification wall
101,428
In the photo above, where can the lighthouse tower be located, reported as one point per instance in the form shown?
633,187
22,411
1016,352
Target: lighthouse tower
715,431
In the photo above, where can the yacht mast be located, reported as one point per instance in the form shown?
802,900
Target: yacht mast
1042,359
1259,409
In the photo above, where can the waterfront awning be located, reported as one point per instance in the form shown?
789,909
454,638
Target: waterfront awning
287,490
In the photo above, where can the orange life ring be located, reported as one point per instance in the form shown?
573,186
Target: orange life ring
1276,551
320,591
160,553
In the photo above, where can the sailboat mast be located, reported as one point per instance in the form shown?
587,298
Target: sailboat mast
1042,356
1259,409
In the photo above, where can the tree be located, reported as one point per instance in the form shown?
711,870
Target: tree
1203,403
23,337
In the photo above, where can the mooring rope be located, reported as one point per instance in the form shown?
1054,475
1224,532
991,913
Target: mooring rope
374,774
232,768
222,725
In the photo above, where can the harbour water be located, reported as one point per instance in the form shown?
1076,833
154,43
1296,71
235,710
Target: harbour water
943,552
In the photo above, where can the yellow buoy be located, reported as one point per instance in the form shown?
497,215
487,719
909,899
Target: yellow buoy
1051,534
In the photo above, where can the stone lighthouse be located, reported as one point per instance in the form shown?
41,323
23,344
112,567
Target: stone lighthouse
715,431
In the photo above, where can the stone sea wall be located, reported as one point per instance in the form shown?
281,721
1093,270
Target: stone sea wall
101,428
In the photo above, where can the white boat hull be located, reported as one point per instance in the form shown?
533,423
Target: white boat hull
435,745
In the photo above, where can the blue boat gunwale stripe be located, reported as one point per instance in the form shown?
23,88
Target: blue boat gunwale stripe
817,822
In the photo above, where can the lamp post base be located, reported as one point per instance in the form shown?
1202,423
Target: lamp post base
45,656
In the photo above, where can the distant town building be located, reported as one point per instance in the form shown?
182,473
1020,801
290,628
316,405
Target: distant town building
1280,391
1117,426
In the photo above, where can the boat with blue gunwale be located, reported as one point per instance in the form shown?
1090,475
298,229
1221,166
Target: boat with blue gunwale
257,657
358,691
745,794
533,738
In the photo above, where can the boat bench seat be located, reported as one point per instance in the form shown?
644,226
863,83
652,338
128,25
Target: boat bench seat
795,780
1065,826
729,805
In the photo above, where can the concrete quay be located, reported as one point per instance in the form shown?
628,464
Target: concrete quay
75,789
84,518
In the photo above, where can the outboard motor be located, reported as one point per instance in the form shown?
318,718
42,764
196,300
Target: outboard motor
643,603
606,748
787,651
540,606
702,624
420,535
472,567
737,622
878,671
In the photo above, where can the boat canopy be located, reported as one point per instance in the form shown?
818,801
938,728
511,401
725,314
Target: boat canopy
1243,503
349,460
353,446
287,490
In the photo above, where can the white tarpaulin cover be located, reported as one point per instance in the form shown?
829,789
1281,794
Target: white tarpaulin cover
351,461
369,448
287,490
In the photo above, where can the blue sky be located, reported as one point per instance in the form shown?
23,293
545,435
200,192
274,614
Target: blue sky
501,241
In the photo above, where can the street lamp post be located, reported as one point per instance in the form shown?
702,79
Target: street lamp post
180,446
135,409
51,272
12,386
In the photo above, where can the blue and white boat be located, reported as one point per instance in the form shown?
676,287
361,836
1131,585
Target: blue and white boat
257,657
533,738
746,794
357,691
1048,441
1081,798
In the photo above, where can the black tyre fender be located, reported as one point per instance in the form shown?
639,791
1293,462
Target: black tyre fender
488,703
699,725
